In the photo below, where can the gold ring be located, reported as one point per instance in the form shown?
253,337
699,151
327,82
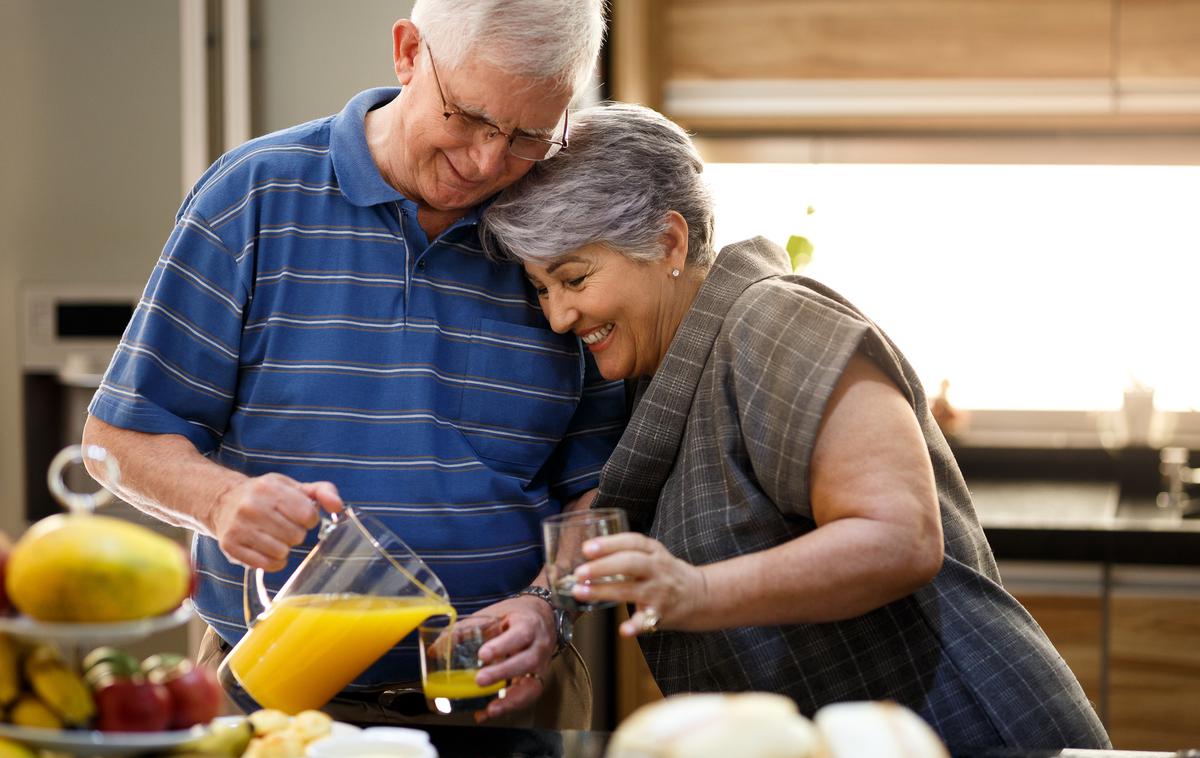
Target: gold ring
650,619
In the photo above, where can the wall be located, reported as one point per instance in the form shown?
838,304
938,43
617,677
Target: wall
90,140
315,55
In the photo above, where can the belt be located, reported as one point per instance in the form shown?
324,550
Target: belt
378,705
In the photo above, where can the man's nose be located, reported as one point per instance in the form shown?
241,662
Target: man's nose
491,156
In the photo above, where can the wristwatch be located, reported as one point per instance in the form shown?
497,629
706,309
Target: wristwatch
563,628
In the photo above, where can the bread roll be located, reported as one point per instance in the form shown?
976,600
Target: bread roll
765,725
749,725
877,730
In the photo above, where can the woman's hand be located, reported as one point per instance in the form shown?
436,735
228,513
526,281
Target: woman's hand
520,654
632,568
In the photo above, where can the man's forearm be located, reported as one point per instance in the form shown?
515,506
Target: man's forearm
163,474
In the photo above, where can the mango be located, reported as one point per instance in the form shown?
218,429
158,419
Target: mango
80,567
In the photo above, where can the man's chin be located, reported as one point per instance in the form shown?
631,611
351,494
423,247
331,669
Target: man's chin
458,200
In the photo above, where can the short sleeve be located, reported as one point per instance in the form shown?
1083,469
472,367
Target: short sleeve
574,466
176,369
787,350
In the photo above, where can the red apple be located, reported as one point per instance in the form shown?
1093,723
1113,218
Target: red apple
195,691
132,704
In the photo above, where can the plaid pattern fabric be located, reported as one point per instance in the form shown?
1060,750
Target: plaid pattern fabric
714,464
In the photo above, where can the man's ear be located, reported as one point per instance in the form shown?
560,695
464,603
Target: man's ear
406,44
675,241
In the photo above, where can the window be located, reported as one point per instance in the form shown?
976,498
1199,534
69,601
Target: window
1037,287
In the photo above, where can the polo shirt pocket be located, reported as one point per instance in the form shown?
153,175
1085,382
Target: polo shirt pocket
520,391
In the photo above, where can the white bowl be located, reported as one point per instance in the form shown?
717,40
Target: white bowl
375,742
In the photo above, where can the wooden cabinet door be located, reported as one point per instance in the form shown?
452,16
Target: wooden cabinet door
635,683
954,65
1074,623
1154,658
1067,601
885,39
1158,39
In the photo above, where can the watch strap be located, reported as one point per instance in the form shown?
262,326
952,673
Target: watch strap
562,622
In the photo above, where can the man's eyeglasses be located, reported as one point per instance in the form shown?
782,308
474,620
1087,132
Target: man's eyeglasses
477,131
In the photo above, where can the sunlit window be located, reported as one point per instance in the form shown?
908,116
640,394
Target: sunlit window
1027,287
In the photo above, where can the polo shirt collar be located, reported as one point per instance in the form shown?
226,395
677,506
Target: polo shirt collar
357,174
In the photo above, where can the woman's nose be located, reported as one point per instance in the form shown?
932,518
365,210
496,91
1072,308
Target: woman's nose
561,315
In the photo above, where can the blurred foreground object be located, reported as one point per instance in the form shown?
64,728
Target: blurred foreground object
766,725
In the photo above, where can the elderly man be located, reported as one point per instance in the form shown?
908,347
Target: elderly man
322,313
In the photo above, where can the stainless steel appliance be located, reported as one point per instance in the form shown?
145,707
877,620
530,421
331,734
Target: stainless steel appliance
68,335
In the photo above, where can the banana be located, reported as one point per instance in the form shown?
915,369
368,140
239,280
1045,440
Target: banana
10,749
59,687
10,670
29,711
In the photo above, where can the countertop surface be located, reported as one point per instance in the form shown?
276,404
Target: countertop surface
489,742
1079,520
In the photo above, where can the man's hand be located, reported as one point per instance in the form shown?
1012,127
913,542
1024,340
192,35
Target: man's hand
520,654
258,520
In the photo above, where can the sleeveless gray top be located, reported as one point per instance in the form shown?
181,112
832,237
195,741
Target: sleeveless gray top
714,464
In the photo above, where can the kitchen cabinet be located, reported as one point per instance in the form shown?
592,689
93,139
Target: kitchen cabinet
956,65
1067,601
635,683
1154,658
1129,634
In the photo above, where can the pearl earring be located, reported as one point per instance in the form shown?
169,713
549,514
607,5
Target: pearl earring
674,273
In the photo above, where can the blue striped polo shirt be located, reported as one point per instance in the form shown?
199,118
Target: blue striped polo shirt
298,321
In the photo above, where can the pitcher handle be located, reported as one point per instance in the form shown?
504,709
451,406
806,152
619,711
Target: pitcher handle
255,599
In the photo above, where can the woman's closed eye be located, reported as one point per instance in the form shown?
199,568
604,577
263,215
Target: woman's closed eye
576,282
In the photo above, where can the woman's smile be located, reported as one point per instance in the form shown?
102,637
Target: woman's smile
597,339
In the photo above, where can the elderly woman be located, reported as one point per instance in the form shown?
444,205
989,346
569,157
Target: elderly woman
801,525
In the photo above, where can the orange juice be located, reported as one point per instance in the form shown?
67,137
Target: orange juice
456,684
307,648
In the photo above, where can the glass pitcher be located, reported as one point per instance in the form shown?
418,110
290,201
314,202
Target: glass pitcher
358,593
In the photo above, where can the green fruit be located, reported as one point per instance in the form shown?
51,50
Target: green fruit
87,568
224,738
164,661
116,661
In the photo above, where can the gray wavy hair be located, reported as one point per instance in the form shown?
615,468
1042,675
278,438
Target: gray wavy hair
555,40
624,169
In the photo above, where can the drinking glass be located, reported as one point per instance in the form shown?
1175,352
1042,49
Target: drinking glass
564,536
450,661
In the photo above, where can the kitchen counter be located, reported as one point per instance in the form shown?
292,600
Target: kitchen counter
1072,520
490,742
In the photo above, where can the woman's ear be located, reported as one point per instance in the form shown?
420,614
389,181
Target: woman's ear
406,44
675,241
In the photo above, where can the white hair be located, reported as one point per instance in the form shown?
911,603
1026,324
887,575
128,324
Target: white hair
624,169
552,40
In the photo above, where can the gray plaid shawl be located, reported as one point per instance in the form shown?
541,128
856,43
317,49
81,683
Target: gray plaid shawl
714,464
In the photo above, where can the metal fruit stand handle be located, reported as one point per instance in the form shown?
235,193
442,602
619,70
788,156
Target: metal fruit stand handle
74,637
